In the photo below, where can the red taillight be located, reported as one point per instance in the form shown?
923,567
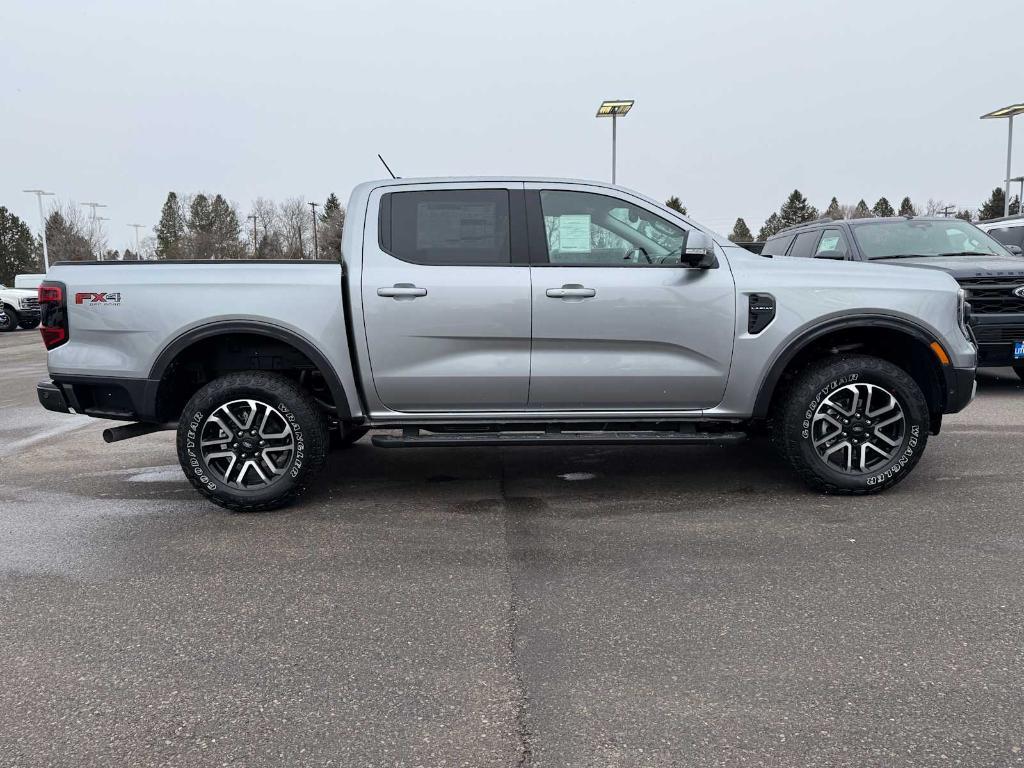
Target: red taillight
53,337
54,312
51,293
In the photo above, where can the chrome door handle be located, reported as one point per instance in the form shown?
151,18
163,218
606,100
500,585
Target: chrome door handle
402,291
571,291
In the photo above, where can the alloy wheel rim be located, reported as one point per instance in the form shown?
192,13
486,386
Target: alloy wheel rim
247,444
858,428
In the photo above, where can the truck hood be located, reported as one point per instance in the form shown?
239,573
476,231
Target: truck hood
18,293
963,266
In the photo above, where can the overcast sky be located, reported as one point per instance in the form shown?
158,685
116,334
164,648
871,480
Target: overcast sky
737,103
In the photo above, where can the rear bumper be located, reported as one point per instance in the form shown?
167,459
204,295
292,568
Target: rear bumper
961,387
52,397
104,398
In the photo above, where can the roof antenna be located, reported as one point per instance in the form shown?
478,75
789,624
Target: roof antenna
386,166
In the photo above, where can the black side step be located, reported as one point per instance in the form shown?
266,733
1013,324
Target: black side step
412,438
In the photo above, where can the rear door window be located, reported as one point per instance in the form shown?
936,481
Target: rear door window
447,227
804,245
776,246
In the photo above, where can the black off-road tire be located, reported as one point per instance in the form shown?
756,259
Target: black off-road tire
346,434
8,319
28,325
309,431
792,423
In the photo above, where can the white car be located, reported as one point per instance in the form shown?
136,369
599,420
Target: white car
20,308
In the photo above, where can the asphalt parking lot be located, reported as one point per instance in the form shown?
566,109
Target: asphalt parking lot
641,606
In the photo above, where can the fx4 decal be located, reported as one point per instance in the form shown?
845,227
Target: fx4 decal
91,297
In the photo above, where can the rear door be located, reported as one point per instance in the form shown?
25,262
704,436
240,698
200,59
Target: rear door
618,322
446,297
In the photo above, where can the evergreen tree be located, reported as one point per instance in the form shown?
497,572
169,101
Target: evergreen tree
834,210
130,255
796,210
771,226
965,214
200,227
741,232
676,204
883,208
331,207
907,208
993,207
862,211
17,248
170,231
224,230
330,228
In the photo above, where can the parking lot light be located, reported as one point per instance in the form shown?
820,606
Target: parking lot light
39,193
1008,113
614,109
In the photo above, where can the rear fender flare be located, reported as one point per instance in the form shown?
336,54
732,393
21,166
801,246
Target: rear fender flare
256,328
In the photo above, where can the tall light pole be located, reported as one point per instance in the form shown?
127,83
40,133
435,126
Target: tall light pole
614,109
42,224
1008,113
138,249
316,246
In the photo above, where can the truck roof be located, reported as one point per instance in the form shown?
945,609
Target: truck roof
497,178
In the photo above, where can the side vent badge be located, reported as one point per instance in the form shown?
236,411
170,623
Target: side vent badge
762,312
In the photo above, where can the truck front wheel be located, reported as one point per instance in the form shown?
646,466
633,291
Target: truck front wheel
251,441
8,319
852,425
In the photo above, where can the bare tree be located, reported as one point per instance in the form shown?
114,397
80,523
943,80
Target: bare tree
296,228
268,235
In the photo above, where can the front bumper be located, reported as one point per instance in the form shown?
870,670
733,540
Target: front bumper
961,386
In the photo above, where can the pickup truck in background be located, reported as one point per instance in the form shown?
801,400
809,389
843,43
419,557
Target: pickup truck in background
18,308
509,312
990,272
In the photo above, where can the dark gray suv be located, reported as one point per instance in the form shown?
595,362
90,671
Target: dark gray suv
991,274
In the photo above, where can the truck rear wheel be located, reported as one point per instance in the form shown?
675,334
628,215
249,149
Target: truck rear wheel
852,425
251,441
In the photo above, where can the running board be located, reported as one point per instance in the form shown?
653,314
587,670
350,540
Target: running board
412,439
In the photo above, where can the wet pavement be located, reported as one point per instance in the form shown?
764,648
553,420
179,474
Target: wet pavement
613,606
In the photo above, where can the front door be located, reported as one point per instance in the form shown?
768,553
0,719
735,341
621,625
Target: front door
446,298
619,323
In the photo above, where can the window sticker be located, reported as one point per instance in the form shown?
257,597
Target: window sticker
828,243
574,233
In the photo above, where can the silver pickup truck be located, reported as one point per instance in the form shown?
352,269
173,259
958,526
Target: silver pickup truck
509,312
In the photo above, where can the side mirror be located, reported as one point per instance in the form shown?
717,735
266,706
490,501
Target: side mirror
699,251
1016,250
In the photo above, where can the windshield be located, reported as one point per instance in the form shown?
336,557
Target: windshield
916,237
